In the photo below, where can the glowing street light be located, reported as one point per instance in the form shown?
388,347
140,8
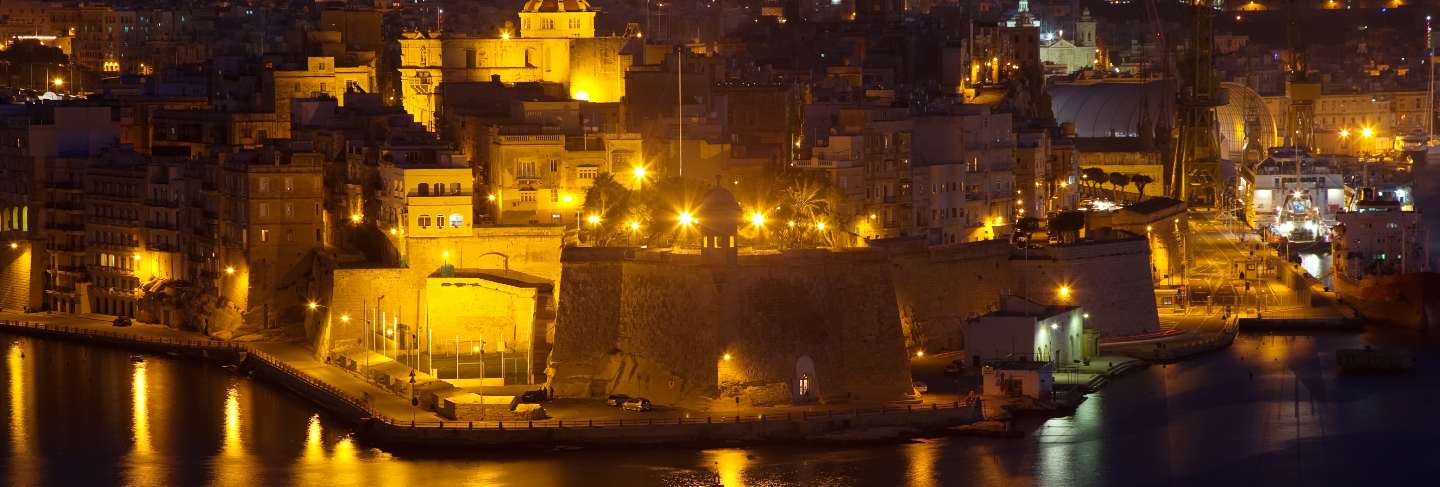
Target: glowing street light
634,226
1064,291
355,218
136,257
726,357
490,197
820,225
593,219
58,82
312,305
344,318
505,35
229,270
919,353
757,219
1344,133
1367,132
686,218
790,224
14,245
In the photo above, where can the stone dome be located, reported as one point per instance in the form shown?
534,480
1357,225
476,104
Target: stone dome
556,6
719,212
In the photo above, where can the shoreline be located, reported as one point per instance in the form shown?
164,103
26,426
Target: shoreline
841,426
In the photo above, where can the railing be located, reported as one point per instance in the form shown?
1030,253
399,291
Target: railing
376,416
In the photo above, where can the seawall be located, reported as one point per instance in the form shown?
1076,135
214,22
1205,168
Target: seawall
383,430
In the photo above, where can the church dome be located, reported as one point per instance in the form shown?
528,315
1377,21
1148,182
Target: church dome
532,6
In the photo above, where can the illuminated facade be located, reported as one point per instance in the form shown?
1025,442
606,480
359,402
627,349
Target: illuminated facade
285,192
319,76
542,178
556,43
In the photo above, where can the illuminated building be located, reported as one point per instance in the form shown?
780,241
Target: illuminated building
964,187
542,178
285,188
555,43
320,75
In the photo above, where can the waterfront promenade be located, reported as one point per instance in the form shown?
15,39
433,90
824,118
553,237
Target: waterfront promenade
390,419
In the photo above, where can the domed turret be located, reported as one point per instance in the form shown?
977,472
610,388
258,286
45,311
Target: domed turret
549,19
719,217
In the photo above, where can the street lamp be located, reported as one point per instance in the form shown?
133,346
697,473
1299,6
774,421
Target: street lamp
757,219
58,82
14,245
344,318
312,305
593,219
686,219
355,218
1064,292
726,356
229,270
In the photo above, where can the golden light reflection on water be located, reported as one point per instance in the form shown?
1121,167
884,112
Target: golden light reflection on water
922,464
140,413
233,446
19,473
730,465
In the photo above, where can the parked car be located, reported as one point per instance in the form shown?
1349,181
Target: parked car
616,400
955,367
638,404
122,321
921,387
532,397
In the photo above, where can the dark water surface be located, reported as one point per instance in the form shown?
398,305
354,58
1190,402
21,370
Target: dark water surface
84,415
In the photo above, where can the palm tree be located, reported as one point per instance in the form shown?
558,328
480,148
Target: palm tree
1095,176
1118,181
1140,180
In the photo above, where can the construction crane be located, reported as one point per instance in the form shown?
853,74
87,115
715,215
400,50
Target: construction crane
1160,59
1299,89
1195,176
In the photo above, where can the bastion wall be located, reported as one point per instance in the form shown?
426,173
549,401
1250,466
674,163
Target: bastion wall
666,332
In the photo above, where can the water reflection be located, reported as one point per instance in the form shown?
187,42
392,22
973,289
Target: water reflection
140,413
922,464
21,471
729,465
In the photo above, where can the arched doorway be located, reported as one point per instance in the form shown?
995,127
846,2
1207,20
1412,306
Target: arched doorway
804,387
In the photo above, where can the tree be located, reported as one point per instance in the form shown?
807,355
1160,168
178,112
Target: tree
1095,176
1140,180
1119,181
610,201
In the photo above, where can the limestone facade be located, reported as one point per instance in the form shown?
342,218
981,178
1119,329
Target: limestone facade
793,327
554,45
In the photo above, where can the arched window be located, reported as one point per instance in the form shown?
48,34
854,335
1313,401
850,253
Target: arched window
457,220
424,189
454,188
439,189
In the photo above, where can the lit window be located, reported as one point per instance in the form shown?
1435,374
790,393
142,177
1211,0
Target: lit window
264,235
457,220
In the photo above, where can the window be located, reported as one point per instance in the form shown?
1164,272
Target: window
526,169
423,189
554,165
289,210
317,209
457,220
439,221
554,196
264,235
324,88
527,196
574,23
264,209
424,221
547,24
289,236
454,188
470,58
264,184
589,172
439,189
289,184
318,236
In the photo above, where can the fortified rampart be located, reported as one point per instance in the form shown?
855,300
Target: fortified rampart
938,289
797,326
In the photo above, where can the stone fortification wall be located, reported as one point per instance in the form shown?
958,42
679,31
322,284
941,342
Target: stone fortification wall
938,289
355,293
660,326
1109,279
18,271
358,292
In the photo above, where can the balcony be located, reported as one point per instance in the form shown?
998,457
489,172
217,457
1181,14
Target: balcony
65,249
67,186
154,225
114,222
162,203
66,227
112,246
